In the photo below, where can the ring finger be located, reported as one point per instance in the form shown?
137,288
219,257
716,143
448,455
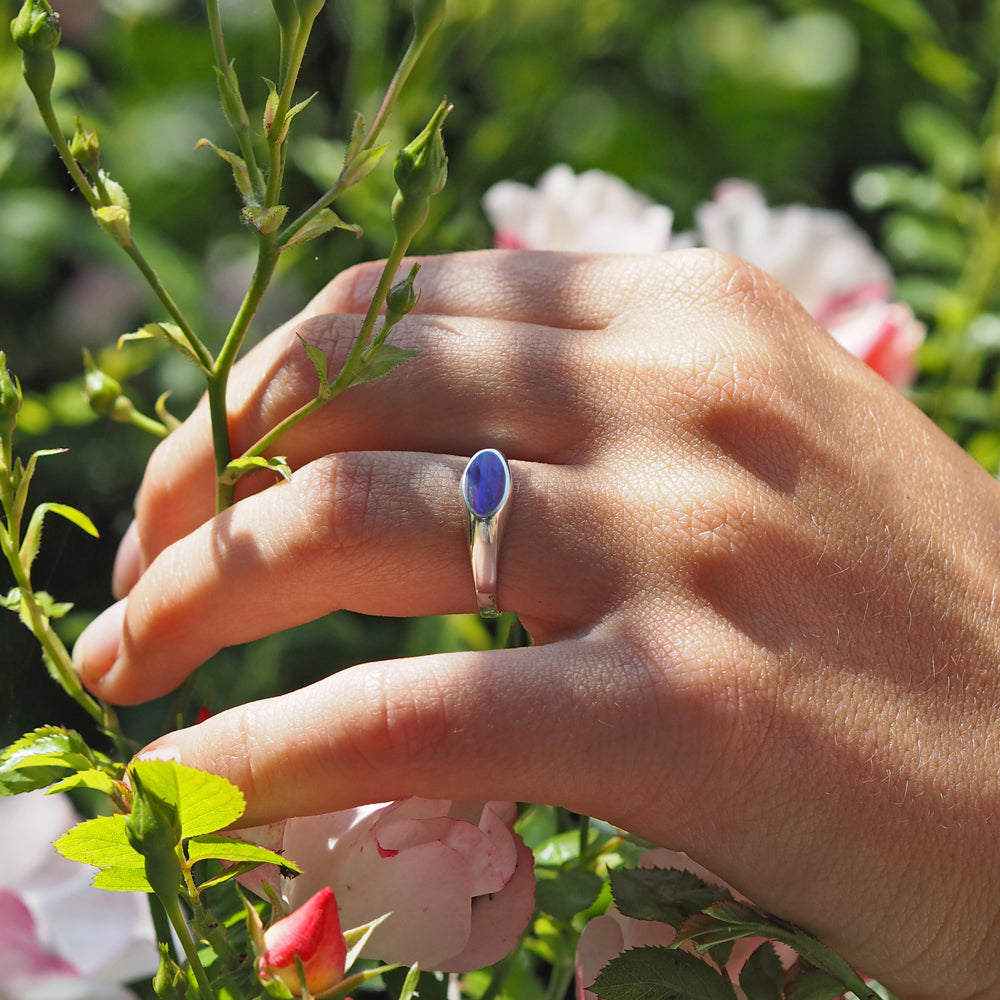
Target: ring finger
377,532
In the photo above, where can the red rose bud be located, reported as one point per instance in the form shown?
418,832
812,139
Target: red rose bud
312,932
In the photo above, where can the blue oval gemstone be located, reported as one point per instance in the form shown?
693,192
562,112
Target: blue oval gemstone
486,482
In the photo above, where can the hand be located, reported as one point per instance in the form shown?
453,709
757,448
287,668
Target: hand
761,585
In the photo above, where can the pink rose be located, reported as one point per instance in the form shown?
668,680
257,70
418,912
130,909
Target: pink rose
820,256
59,936
457,882
312,933
827,263
592,211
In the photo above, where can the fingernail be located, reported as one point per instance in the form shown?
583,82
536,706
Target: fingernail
159,751
96,650
128,566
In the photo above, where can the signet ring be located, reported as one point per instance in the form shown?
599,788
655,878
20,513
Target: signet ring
486,491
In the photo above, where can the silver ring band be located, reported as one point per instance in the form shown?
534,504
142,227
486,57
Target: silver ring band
486,492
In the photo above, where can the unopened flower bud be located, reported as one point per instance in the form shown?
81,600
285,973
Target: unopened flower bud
101,390
420,172
114,220
312,932
36,27
153,828
86,149
402,298
10,402
36,33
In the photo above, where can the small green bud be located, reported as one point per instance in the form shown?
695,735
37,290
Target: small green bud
36,28
102,391
402,298
114,220
170,978
86,149
153,828
10,401
422,166
427,16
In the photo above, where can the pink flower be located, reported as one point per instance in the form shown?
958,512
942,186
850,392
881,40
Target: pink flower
456,881
607,936
592,211
312,932
60,938
827,263
822,257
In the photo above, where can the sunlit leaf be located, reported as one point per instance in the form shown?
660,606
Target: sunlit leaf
206,802
102,842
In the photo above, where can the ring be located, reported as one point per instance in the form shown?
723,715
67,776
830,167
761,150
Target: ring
486,492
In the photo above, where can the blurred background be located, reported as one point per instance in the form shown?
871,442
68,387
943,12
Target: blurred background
883,109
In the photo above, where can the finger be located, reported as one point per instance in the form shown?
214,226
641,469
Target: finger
575,291
380,532
491,383
468,386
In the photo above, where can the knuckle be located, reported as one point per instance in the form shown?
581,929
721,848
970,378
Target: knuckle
340,506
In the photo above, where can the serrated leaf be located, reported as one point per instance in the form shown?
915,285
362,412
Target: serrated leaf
99,781
33,533
102,842
239,167
762,976
319,362
240,467
661,974
668,895
167,331
385,358
265,220
41,757
206,802
357,166
323,222
222,848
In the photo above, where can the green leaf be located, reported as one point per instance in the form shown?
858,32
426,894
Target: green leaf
382,361
568,892
665,894
170,332
99,781
41,757
12,599
51,608
409,988
102,842
814,985
223,848
661,974
943,142
239,167
205,802
762,976
357,166
323,222
265,220
240,467
320,362
33,533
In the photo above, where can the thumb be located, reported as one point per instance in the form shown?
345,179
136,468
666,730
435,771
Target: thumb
503,724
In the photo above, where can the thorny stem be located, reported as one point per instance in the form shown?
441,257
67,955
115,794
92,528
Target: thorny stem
95,200
353,366
409,60
241,127
171,905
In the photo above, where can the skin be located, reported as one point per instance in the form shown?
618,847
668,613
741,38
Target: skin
761,585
